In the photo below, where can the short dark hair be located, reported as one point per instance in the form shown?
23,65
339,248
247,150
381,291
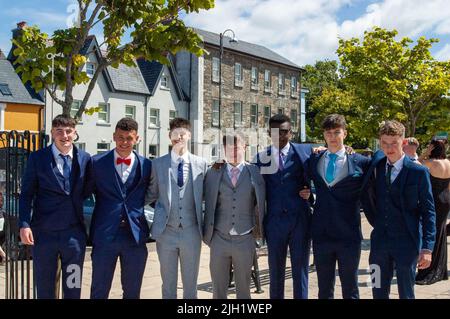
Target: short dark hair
233,137
64,120
334,121
127,124
279,119
438,151
179,122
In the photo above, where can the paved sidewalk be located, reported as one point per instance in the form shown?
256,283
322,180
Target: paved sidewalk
151,287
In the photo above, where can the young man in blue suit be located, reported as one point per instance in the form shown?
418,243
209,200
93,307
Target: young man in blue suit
119,228
399,205
287,221
51,210
336,222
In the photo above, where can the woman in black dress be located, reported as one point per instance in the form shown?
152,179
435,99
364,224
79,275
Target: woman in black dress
440,179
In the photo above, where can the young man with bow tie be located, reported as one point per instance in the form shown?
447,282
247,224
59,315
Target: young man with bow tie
177,188
119,228
51,210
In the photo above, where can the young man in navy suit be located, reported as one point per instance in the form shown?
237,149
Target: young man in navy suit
399,205
336,222
287,221
119,228
51,210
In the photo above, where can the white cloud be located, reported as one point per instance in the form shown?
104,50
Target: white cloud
305,31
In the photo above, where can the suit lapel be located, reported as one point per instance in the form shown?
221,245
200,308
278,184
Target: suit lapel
404,172
114,178
196,171
319,162
53,167
167,171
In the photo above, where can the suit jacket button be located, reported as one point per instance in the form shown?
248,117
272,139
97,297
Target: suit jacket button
285,211
232,223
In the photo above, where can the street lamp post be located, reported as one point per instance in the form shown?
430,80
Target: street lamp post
232,40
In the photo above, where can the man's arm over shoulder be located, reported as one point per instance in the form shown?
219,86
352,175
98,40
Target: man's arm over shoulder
152,193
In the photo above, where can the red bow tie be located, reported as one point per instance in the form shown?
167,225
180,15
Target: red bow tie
126,161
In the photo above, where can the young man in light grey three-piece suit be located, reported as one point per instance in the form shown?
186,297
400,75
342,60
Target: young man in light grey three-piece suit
234,202
176,185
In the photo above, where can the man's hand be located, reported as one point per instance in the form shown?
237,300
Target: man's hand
305,193
349,150
317,150
26,236
424,259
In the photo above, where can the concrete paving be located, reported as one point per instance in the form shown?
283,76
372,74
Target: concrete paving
151,288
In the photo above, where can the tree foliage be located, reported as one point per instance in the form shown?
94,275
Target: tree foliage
154,27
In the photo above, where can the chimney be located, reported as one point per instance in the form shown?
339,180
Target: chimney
15,33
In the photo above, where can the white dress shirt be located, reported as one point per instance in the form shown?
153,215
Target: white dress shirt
284,151
175,159
339,164
122,169
59,161
398,165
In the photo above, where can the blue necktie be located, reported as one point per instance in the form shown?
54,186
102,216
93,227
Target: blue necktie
66,172
180,173
280,161
329,176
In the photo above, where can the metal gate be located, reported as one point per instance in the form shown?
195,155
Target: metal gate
15,147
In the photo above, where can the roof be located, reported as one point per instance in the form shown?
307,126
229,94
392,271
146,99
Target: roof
246,48
152,70
123,79
19,93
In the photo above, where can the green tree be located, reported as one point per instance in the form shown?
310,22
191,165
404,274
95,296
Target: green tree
154,27
318,77
394,79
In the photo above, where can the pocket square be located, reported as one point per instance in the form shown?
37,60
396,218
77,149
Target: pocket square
357,174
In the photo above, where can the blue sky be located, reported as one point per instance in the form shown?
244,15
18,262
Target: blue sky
301,30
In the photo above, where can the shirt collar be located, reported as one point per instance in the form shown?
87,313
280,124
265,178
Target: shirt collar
175,157
284,150
340,153
56,152
397,165
240,166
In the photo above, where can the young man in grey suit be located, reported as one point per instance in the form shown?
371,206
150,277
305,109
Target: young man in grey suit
176,185
234,202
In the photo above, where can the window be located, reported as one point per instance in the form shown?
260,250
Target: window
103,113
253,152
267,113
293,86
214,152
80,146
294,120
172,115
90,69
152,151
164,81
254,81
267,81
215,113
254,115
215,69
130,111
237,113
154,117
102,148
280,110
4,89
281,83
75,107
237,74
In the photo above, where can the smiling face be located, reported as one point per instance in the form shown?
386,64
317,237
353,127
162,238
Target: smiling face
63,137
125,141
